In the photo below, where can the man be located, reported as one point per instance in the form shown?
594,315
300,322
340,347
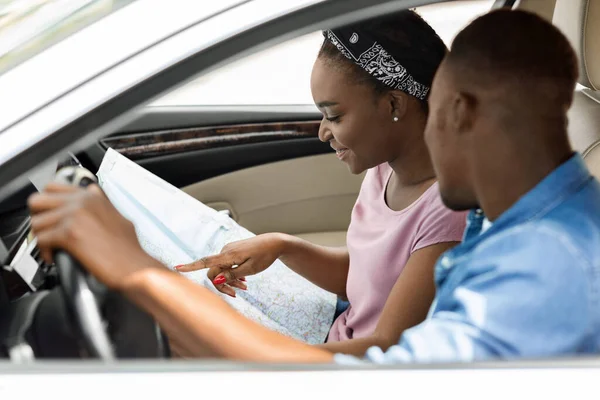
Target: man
524,283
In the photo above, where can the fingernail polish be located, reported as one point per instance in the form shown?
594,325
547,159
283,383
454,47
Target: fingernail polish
219,280
242,279
178,266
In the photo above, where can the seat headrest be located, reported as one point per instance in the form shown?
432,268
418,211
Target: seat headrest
592,160
579,20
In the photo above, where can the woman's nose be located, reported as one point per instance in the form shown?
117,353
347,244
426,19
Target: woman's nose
325,134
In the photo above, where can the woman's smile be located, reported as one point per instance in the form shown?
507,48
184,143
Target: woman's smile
341,153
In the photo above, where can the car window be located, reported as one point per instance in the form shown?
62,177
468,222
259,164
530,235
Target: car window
27,27
281,74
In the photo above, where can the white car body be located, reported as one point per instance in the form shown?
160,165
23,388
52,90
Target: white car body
54,89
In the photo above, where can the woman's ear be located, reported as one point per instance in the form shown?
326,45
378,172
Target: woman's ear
398,105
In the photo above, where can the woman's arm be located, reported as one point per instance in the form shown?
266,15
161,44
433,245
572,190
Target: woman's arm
326,267
407,305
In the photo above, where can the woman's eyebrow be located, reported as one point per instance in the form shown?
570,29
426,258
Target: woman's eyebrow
326,104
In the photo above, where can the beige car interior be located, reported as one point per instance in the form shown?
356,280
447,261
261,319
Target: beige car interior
312,197
579,20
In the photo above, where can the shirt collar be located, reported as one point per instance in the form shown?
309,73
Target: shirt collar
545,196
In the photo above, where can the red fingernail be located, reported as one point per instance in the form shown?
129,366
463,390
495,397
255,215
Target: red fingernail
219,280
178,266
242,279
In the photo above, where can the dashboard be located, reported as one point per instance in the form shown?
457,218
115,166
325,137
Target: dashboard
41,315
23,270
15,246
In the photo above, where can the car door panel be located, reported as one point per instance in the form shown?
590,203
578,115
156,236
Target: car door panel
311,196
210,141
188,155
266,166
165,142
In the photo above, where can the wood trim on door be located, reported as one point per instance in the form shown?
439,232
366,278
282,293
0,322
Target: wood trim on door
139,146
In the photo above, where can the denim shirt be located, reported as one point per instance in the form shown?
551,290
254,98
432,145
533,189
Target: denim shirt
527,286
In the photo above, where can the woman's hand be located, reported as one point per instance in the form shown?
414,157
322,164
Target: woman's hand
85,224
238,260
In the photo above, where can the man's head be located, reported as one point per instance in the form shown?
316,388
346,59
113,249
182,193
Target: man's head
501,93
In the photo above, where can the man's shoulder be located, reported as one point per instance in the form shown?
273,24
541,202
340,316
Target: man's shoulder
539,246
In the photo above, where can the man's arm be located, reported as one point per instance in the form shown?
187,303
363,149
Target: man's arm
202,325
510,302
86,225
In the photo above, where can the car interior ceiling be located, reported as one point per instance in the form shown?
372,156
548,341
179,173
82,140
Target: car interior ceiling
578,19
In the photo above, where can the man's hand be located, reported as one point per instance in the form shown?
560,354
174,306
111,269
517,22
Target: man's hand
86,225
238,260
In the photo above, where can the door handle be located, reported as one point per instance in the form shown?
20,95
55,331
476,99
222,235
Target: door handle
227,212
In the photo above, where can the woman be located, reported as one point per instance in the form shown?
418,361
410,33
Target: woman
370,81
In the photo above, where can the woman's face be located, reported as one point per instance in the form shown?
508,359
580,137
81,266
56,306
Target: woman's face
358,124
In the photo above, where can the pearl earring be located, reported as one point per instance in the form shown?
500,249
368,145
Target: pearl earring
395,119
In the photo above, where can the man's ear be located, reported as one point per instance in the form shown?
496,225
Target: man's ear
398,104
462,112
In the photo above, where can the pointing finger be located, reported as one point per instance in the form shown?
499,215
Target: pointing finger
195,266
223,260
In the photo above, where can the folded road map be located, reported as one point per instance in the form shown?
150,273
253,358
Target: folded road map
177,229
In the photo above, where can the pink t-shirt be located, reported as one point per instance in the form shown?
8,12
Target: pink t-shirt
380,242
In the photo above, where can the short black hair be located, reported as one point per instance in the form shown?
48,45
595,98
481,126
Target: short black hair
519,50
407,37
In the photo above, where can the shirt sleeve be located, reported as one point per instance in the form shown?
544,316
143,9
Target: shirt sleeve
439,225
512,302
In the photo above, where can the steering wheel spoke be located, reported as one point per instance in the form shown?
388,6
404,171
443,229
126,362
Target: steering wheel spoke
110,326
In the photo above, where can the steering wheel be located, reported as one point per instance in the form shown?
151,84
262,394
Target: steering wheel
96,312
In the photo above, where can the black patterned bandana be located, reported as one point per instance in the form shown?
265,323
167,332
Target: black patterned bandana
373,58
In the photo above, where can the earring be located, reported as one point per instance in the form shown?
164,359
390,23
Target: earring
395,119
